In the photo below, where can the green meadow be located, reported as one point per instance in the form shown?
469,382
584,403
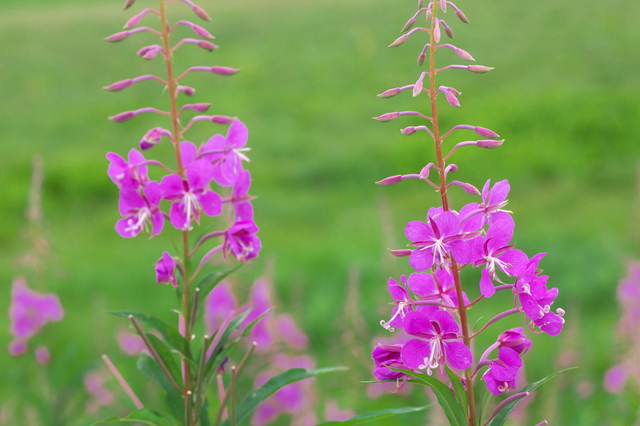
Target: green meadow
565,95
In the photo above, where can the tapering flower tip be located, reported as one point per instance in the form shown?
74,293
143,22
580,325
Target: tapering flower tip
489,144
197,29
409,24
436,31
424,173
189,91
479,69
390,93
452,99
401,252
486,133
462,17
128,3
417,88
207,45
201,13
223,119
420,4
390,116
399,40
149,52
463,54
224,70
447,29
391,180
443,6
421,58
200,107
118,36
123,116
119,85
408,130
467,187
153,137
135,19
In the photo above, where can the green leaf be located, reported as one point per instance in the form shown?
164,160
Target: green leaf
209,281
151,369
166,356
447,401
145,417
375,415
502,415
169,333
458,388
259,395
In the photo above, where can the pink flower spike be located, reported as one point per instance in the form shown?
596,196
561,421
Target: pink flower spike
196,29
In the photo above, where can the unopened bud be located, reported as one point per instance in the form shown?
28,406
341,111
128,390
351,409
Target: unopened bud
390,93
409,24
463,54
223,119
421,58
119,85
452,99
390,116
118,36
417,88
408,130
447,30
149,52
467,187
486,133
399,40
401,252
123,116
201,107
420,4
133,21
207,45
189,91
201,13
479,69
443,5
153,137
391,180
436,31
489,144
224,70
462,17
128,3
201,31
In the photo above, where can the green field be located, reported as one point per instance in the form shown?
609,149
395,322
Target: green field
565,95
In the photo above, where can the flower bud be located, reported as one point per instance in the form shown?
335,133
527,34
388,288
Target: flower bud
443,5
391,180
409,24
224,70
153,137
390,116
401,252
408,130
452,99
390,93
436,31
128,3
463,54
462,17
515,339
479,69
119,85
118,36
207,45
149,52
486,133
223,119
417,88
447,30
421,58
467,187
420,4
489,144
123,116
200,107
133,21
201,31
189,91
399,40
201,13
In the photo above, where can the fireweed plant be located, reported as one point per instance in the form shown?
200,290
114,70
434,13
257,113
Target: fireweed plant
205,180
431,307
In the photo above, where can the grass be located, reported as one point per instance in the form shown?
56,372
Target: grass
563,95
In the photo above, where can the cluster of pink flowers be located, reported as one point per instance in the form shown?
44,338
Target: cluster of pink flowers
430,306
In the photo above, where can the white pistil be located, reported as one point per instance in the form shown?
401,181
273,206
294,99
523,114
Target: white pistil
143,214
191,207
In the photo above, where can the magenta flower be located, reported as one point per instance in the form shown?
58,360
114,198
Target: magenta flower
220,302
240,198
129,174
241,241
226,153
403,303
385,356
260,302
289,332
28,313
193,195
436,240
140,210
438,287
441,343
516,340
166,270
494,252
501,375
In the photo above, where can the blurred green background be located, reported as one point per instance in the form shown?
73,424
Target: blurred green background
564,95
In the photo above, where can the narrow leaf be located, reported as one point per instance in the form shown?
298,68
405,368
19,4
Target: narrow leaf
458,388
208,282
375,415
502,415
151,369
251,401
145,417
